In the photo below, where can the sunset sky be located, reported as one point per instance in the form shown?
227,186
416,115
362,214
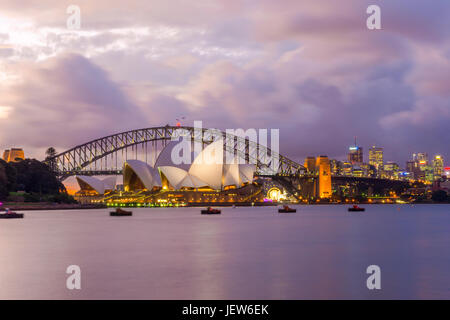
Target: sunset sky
310,68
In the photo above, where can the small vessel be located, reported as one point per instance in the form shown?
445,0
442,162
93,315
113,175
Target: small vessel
210,210
286,209
11,215
120,213
356,208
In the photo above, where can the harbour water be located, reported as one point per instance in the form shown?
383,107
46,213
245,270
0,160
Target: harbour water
320,252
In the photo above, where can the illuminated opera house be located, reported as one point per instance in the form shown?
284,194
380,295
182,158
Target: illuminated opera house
169,183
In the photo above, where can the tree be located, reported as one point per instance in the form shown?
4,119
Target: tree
50,154
37,177
8,178
439,196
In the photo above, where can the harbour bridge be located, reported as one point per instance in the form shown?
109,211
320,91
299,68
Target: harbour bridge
105,156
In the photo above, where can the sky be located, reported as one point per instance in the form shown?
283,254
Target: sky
310,68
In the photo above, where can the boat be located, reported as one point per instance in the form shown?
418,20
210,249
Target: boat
11,215
356,208
286,209
120,213
210,210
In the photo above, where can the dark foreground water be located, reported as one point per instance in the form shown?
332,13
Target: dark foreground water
245,253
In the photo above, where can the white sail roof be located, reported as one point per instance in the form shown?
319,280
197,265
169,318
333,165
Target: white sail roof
191,181
246,172
109,183
212,167
208,165
147,175
174,175
231,175
91,182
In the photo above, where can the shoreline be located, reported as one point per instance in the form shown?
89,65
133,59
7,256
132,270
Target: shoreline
50,206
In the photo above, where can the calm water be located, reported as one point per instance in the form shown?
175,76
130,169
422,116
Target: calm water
245,253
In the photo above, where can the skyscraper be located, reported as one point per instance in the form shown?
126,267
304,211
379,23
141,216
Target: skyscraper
421,163
376,158
355,154
438,166
421,158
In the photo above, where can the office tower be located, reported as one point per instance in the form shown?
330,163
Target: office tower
421,158
336,167
376,159
447,172
438,167
391,170
355,155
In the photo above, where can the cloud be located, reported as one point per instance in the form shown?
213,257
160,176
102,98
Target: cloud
310,68
63,102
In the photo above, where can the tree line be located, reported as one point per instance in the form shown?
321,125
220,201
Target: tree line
35,178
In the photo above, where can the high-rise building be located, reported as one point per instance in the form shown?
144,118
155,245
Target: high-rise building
413,169
376,158
324,185
13,155
355,155
347,169
438,167
421,158
422,168
447,172
336,167
391,170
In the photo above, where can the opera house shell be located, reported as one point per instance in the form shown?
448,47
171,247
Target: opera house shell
96,186
201,173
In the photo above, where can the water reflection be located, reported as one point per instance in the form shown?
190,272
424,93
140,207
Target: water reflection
320,252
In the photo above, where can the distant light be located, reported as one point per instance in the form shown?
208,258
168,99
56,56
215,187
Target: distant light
438,157
353,148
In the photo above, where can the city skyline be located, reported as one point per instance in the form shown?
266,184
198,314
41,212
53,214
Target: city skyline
319,77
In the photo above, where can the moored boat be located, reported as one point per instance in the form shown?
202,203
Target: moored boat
120,213
356,208
11,215
210,210
287,209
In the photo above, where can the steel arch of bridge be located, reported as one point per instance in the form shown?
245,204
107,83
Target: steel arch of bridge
73,161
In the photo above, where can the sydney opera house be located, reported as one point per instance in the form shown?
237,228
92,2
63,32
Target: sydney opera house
168,183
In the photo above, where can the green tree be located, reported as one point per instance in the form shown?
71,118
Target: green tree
50,153
37,177
8,179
